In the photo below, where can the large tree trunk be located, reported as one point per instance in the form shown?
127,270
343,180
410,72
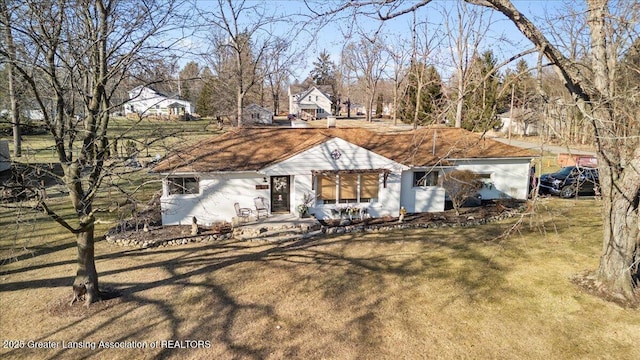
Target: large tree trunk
395,105
460,98
418,107
369,116
85,284
618,272
618,167
11,74
618,162
15,115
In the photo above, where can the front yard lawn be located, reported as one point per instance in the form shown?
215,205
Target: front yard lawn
423,293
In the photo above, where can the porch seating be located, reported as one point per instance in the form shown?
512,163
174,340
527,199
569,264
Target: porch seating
242,213
261,207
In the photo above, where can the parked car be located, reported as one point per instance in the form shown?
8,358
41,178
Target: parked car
570,181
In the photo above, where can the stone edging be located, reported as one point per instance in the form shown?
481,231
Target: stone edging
380,228
324,230
163,243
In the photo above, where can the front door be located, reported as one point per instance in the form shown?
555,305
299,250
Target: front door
280,194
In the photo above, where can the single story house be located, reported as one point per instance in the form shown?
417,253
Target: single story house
257,115
335,168
147,101
311,104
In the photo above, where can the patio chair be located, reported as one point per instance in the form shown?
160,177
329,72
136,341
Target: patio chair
261,207
242,213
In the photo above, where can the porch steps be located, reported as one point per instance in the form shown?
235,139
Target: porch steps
280,233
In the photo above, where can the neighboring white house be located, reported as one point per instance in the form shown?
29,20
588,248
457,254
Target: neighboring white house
146,101
31,114
522,122
256,114
336,167
5,159
310,104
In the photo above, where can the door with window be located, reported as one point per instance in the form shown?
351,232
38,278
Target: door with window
280,194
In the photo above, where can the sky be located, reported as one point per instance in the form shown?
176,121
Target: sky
503,38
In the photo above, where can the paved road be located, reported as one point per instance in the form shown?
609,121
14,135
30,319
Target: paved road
546,147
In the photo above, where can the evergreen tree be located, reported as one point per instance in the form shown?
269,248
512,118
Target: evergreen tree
425,80
379,105
481,102
190,82
324,70
324,73
205,103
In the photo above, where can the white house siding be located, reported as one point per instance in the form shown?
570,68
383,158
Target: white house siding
155,106
146,101
315,99
255,114
352,157
509,177
215,202
418,198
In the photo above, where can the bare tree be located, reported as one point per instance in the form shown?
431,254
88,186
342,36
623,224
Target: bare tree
278,69
243,29
9,50
424,39
73,55
367,60
466,29
399,56
460,186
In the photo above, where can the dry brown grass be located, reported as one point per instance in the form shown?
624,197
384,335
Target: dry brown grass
436,293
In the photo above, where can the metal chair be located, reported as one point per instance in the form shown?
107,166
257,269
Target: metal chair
261,207
242,213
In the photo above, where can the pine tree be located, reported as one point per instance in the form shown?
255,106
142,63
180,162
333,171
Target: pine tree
481,102
425,80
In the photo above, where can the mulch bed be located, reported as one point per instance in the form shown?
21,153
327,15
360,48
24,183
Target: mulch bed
487,210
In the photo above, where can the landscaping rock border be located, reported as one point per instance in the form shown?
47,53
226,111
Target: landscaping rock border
400,225
149,243
310,233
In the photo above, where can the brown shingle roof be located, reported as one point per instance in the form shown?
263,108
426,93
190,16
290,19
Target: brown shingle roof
251,149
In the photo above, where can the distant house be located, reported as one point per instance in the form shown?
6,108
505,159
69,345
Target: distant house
310,104
519,122
256,114
31,114
144,100
335,167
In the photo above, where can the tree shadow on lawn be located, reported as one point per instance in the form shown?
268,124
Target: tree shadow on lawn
356,274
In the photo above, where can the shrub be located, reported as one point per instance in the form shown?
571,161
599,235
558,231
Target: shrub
460,185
